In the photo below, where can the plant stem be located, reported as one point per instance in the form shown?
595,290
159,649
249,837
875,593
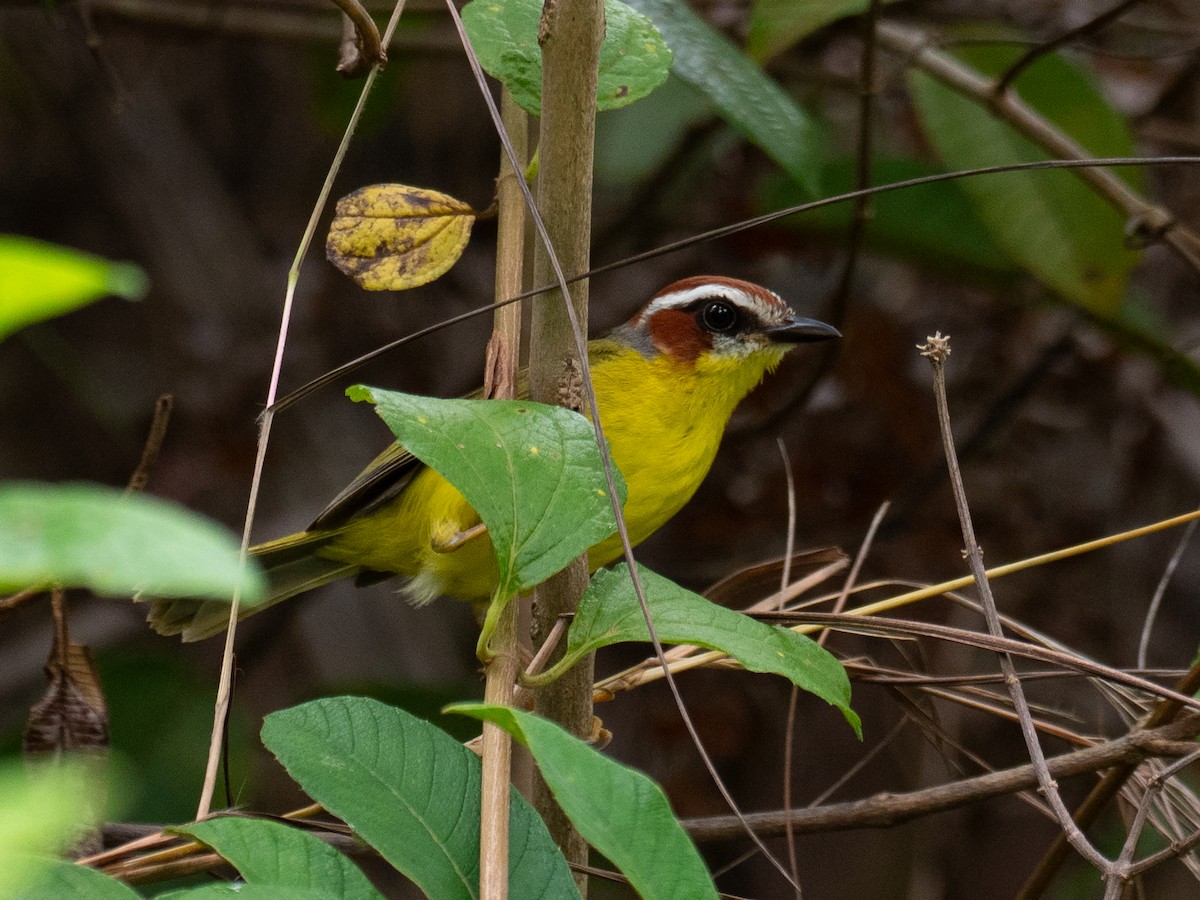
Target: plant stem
500,381
936,350
570,36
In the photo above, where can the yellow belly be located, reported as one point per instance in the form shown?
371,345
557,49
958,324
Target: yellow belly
664,442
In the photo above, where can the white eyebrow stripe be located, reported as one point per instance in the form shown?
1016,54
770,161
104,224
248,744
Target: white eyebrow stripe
677,299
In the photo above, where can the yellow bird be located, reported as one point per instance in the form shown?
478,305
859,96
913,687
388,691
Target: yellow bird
666,383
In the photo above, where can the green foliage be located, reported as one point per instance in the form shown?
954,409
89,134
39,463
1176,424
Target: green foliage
634,59
39,281
62,880
490,448
90,536
412,792
159,721
618,810
935,225
40,814
632,144
248,892
777,24
745,96
609,613
1056,227
276,855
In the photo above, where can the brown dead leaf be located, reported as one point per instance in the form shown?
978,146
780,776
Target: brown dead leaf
72,715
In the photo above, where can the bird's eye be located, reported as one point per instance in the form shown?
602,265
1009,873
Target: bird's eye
718,317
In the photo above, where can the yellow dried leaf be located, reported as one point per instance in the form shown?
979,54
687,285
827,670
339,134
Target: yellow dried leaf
391,237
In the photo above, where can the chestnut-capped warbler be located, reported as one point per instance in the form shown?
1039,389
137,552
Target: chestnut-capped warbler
666,383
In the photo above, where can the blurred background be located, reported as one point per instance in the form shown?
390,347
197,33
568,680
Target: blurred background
192,138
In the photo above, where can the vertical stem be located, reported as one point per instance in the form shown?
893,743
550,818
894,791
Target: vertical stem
501,381
570,36
225,683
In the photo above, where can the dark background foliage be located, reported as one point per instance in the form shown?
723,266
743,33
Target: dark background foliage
197,151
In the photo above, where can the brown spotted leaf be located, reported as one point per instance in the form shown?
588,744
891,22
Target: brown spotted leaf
391,237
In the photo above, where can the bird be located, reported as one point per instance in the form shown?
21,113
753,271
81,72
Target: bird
666,384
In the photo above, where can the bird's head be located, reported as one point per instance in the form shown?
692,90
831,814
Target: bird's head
710,320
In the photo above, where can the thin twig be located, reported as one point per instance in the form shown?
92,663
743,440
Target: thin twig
226,679
1159,591
154,441
1125,863
358,55
876,625
936,350
1005,81
722,232
789,733
785,576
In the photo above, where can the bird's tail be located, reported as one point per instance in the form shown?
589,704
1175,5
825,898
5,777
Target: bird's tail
291,566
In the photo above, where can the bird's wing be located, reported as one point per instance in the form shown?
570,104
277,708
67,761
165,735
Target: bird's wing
384,479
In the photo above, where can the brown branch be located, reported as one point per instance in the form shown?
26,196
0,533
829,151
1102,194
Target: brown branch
887,809
154,441
1100,796
360,48
1146,221
1005,81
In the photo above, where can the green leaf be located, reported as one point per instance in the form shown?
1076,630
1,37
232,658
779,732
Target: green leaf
1057,228
745,96
609,613
64,880
618,810
1138,327
273,854
531,471
634,59
153,689
247,892
81,535
776,25
634,143
901,221
40,280
40,815
412,792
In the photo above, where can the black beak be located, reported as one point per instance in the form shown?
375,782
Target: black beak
799,330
